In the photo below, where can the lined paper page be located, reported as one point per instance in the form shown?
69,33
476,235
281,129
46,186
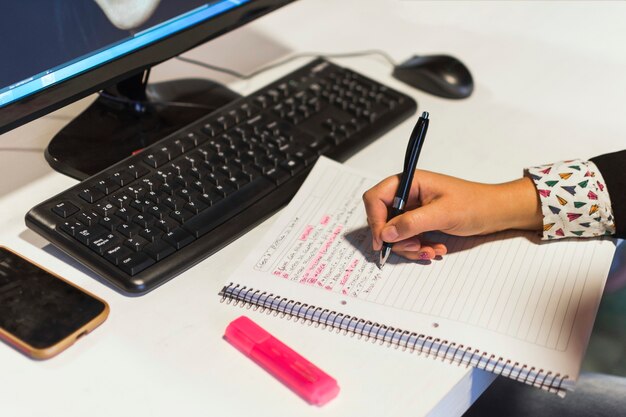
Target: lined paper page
501,289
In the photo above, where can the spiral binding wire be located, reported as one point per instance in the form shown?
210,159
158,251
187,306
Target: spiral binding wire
413,342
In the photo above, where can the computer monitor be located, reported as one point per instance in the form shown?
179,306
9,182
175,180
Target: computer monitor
54,52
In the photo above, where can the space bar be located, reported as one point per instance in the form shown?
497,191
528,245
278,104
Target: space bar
209,219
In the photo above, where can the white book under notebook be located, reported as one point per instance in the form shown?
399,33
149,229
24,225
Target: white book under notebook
506,303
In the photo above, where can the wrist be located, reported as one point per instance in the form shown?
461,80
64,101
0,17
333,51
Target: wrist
517,206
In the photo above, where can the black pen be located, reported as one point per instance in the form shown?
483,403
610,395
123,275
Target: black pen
410,162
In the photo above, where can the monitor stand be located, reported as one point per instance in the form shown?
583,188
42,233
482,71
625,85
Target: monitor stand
122,121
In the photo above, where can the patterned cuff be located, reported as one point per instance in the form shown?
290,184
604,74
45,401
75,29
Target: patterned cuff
574,199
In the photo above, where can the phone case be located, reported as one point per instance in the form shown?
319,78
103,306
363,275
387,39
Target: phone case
50,351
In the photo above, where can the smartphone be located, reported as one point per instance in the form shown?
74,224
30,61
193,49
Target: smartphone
41,314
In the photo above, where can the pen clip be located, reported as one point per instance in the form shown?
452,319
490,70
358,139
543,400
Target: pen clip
415,142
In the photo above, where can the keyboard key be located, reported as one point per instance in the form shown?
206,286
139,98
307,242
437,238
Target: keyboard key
150,184
88,218
73,227
226,122
116,253
166,189
330,124
278,175
136,191
154,197
262,101
194,138
128,229
166,225
135,263
209,197
224,169
199,171
102,243
195,206
224,189
216,178
136,243
199,186
104,209
248,109
293,165
239,179
122,178
65,209
185,194
90,195
181,216
120,200
126,213
158,211
141,205
155,159
347,129
143,220
110,223
107,186
236,115
86,236
211,129
174,203
150,233
177,144
306,155
158,250
178,238
165,175
171,151
137,171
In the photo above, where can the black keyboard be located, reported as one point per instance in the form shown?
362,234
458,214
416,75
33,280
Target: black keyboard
151,216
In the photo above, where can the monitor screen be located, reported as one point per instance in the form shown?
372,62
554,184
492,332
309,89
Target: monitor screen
74,37
55,51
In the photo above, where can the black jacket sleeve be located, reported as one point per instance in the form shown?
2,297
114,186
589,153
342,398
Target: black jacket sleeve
612,166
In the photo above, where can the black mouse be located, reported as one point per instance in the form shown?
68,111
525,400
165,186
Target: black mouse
440,75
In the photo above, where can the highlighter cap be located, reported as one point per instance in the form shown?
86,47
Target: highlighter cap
245,334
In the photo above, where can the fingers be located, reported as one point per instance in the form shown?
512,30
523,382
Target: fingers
414,222
413,249
403,230
377,199
425,254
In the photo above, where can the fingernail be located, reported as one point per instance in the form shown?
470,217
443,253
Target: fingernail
412,246
389,233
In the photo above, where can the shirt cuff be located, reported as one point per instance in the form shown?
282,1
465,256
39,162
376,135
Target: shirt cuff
574,199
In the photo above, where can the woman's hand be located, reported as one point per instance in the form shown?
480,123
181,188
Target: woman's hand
450,205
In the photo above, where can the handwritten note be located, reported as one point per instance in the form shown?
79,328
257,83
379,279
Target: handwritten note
326,244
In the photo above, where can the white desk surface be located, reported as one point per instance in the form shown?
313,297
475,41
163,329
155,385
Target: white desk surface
550,85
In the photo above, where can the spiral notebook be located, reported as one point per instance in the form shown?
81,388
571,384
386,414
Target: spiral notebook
506,303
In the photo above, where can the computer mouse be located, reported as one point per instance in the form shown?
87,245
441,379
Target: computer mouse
440,75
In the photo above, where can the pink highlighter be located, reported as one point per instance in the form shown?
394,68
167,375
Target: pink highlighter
304,378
